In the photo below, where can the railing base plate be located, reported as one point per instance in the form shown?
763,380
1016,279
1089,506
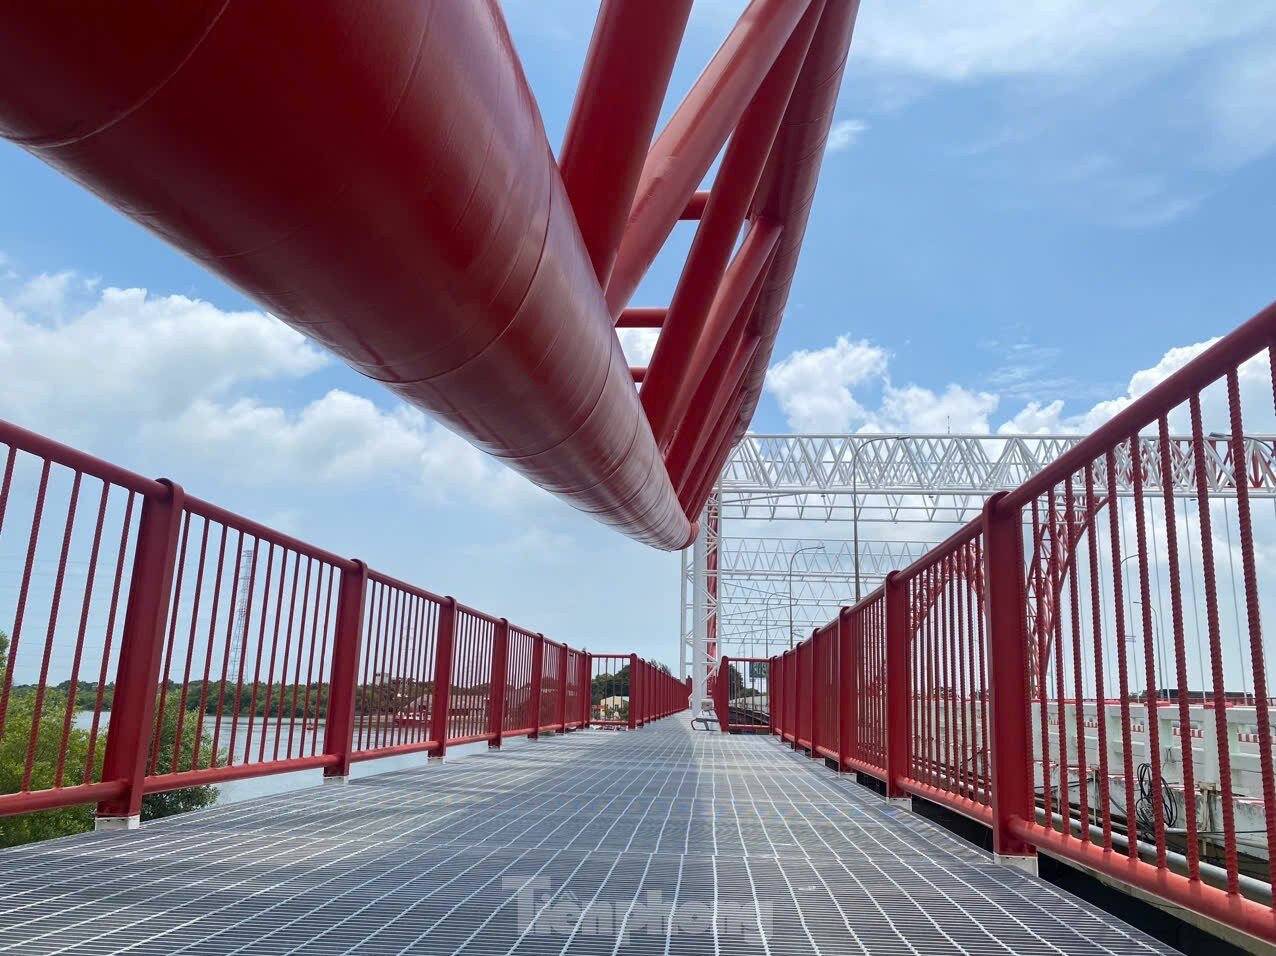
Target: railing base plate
133,822
1019,861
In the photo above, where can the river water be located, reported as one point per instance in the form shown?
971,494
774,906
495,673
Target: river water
235,791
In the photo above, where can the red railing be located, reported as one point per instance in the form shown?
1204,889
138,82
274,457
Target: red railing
627,691
744,690
159,642
1025,674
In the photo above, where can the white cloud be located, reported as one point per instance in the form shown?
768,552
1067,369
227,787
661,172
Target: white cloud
339,439
45,293
129,356
814,387
816,392
1107,192
982,38
638,344
175,375
916,409
1240,97
845,134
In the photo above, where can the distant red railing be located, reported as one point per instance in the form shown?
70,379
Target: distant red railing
159,642
742,690
981,678
627,691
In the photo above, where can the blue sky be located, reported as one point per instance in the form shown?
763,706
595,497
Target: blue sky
1027,203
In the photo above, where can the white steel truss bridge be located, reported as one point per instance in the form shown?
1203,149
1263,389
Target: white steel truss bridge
758,577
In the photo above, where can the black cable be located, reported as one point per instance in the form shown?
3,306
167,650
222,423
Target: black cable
1144,812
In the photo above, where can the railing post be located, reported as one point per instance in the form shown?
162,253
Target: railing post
440,718
722,694
634,699
648,682
496,693
562,690
141,649
538,676
897,681
1010,778
648,678
847,691
791,696
812,661
772,698
781,692
338,728
587,689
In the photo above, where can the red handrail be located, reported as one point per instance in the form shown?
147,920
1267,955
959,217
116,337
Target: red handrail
973,677
203,647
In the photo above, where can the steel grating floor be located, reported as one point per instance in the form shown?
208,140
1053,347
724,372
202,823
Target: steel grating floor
662,841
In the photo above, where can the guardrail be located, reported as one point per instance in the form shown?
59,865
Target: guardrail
627,691
159,642
1023,674
741,701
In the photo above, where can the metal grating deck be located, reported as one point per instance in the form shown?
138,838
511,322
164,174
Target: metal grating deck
662,841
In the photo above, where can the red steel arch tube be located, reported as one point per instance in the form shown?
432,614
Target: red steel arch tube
378,176
687,146
626,75
788,186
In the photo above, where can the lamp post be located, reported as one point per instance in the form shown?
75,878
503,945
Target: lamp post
1157,634
809,547
855,503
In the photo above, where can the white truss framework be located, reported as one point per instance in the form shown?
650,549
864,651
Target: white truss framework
918,480
935,478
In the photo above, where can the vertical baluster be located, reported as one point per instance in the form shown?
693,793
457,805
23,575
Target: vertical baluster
1253,615
1152,694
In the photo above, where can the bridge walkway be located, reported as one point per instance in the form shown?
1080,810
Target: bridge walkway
663,840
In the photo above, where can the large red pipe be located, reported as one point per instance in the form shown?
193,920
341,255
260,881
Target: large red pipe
377,175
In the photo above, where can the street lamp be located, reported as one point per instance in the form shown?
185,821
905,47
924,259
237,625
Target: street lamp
809,547
855,503
1158,633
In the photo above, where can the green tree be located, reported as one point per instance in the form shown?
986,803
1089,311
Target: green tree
48,753
610,685
156,805
735,684
14,745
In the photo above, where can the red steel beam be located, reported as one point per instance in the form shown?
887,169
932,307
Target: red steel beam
707,468
641,319
724,363
788,187
693,441
731,384
378,177
688,145
638,373
695,205
669,386
618,102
